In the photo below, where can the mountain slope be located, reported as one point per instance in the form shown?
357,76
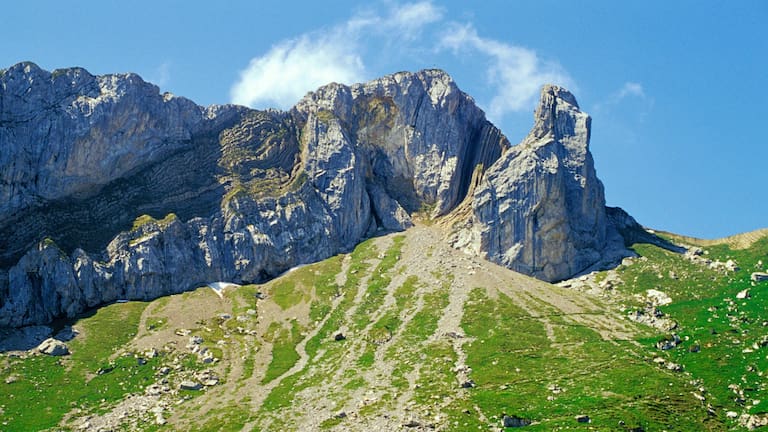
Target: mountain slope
433,339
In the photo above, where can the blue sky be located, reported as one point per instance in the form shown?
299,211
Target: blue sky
676,89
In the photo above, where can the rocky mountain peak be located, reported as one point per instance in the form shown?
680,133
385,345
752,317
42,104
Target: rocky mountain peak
110,190
558,114
541,209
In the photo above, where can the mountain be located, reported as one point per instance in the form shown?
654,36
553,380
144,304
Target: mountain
408,333
111,190
369,255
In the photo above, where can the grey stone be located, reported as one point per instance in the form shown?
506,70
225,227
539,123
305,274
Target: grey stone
53,347
190,385
514,421
759,276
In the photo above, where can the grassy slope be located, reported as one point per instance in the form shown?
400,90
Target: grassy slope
723,337
546,370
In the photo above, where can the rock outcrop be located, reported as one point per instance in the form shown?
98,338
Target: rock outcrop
111,190
540,209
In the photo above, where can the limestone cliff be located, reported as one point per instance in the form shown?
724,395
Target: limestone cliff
540,209
112,190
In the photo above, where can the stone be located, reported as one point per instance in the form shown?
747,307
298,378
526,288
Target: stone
583,418
514,421
190,385
743,294
657,298
668,342
753,421
339,337
759,276
412,423
53,347
211,382
468,384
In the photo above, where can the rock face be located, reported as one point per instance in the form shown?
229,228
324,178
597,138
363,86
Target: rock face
540,209
110,190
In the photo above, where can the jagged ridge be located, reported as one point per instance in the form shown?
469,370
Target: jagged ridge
254,192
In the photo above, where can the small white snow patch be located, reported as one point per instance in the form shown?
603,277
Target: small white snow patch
219,287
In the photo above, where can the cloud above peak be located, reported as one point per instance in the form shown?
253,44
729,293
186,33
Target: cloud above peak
293,67
515,73
385,38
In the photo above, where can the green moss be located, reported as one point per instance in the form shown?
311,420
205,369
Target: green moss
145,219
325,116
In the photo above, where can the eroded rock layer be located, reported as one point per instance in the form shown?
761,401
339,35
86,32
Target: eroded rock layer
110,190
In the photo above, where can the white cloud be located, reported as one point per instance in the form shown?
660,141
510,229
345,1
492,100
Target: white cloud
630,89
293,67
410,19
161,76
516,73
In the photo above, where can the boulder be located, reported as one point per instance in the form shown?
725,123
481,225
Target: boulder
53,347
759,276
514,421
190,385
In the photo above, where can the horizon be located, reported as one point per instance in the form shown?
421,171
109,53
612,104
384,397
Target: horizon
668,111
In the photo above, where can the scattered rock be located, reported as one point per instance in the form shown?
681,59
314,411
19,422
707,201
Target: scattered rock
743,294
583,418
468,384
514,421
183,332
753,421
668,342
653,317
339,337
759,276
657,298
190,385
53,347
340,415
731,266
412,423
454,335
